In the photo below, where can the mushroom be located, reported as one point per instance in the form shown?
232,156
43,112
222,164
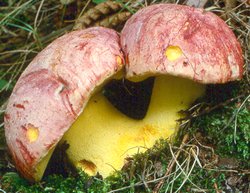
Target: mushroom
182,47
181,41
52,92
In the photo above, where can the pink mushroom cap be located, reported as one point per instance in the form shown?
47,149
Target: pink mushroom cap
210,51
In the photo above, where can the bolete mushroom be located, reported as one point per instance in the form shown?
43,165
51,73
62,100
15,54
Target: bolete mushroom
52,92
181,41
181,46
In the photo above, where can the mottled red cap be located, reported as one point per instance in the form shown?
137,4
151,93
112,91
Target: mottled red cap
181,41
53,91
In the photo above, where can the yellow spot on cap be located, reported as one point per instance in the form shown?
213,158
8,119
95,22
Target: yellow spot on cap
173,53
119,61
87,166
32,134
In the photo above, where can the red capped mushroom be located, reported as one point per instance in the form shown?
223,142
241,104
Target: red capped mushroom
181,41
53,90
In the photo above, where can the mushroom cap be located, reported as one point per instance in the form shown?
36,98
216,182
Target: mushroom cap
54,89
202,46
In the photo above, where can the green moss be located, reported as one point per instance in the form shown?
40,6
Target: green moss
228,128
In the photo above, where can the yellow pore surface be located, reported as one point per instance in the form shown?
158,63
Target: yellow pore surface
102,137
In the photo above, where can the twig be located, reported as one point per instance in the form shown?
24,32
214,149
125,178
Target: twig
37,14
137,184
218,170
204,146
208,110
1,190
3,106
216,188
86,5
236,116
18,51
188,173
148,182
171,164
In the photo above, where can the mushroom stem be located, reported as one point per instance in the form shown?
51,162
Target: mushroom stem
102,137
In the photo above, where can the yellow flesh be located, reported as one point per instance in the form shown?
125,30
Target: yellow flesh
102,137
41,166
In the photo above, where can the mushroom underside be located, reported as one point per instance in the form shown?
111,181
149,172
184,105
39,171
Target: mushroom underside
102,137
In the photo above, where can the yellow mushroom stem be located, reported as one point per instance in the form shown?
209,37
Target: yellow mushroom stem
102,137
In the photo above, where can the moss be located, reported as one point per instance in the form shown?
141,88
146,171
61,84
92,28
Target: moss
227,127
